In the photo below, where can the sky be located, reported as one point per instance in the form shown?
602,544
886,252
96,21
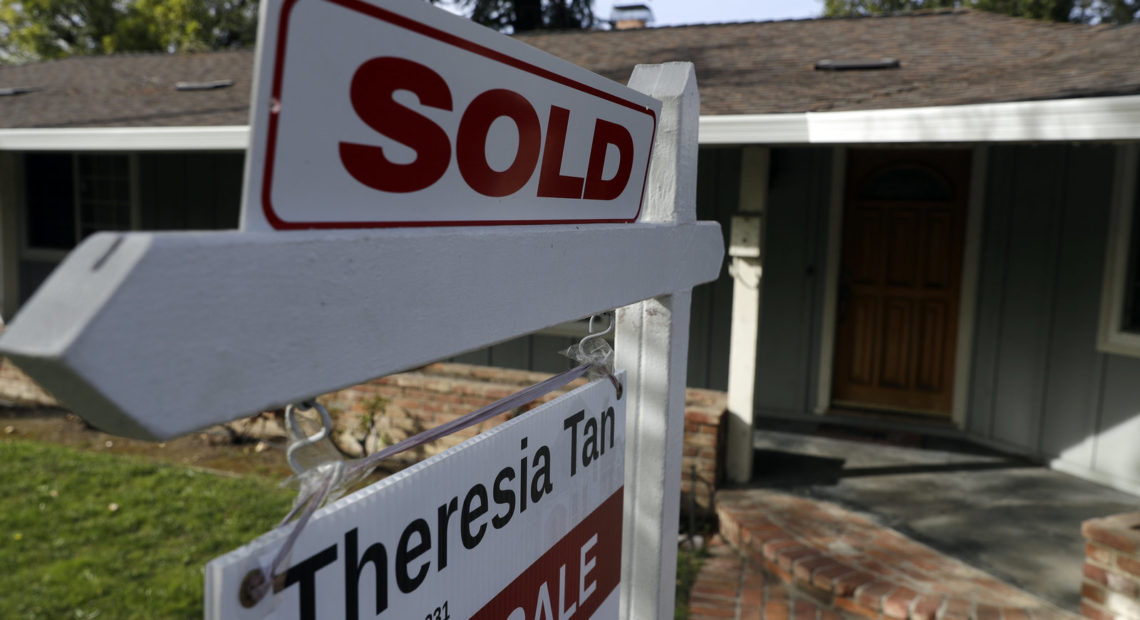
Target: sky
676,12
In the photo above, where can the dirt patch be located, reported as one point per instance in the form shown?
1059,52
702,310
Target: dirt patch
257,450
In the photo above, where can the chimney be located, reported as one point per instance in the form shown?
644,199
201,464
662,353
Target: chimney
631,16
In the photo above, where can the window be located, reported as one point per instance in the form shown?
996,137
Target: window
71,196
51,201
104,193
1120,300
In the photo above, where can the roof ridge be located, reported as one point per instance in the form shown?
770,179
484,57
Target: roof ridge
129,54
820,18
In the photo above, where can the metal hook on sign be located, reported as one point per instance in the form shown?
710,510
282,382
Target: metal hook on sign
295,430
594,336
602,365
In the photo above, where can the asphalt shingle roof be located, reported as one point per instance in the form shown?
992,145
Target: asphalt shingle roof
946,58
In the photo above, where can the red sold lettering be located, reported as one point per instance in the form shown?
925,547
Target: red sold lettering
471,142
605,134
551,182
372,89
371,92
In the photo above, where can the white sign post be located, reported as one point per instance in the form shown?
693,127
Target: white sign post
153,335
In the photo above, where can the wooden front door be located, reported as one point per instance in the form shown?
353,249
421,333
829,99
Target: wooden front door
900,280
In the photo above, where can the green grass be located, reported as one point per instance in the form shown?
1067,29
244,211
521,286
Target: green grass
688,566
88,535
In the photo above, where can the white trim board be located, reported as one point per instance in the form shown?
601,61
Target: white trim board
1099,118
215,138
1111,337
1094,118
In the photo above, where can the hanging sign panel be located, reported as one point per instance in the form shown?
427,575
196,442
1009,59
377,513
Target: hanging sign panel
522,522
374,113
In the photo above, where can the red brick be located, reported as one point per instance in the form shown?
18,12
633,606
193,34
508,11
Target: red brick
1099,553
803,569
927,606
897,605
721,589
776,610
712,612
827,614
872,594
957,609
1015,613
775,570
750,613
751,597
703,416
824,576
851,606
804,610
772,548
787,558
1096,573
844,586
1108,532
1092,591
768,533
1094,613
1123,584
1128,564
987,612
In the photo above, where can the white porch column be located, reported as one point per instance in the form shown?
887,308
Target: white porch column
652,343
746,254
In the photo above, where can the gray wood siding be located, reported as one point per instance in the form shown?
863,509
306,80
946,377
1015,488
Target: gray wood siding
1039,383
710,327
791,298
190,191
718,187
1117,444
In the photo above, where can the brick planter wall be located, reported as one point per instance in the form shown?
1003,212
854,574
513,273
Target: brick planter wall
438,393
404,404
1111,589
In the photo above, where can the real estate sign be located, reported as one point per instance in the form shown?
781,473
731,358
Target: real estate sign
521,522
374,113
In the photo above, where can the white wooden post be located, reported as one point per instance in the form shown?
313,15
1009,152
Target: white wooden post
652,344
745,252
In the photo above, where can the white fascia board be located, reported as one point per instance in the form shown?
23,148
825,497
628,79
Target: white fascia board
216,138
1100,118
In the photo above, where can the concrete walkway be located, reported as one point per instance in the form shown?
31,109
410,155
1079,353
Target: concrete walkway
853,524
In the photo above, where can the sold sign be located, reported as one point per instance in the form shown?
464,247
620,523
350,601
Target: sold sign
394,113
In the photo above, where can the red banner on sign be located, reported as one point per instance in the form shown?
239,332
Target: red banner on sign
573,578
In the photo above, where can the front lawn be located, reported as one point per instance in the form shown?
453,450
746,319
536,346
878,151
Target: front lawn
89,535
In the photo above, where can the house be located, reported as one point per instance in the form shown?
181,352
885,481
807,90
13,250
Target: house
929,215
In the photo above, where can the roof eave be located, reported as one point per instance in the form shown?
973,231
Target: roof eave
1099,118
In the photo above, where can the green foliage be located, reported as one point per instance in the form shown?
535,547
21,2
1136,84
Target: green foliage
689,562
525,15
1084,11
85,535
41,29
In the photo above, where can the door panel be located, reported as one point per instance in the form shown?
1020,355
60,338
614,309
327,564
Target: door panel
903,231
